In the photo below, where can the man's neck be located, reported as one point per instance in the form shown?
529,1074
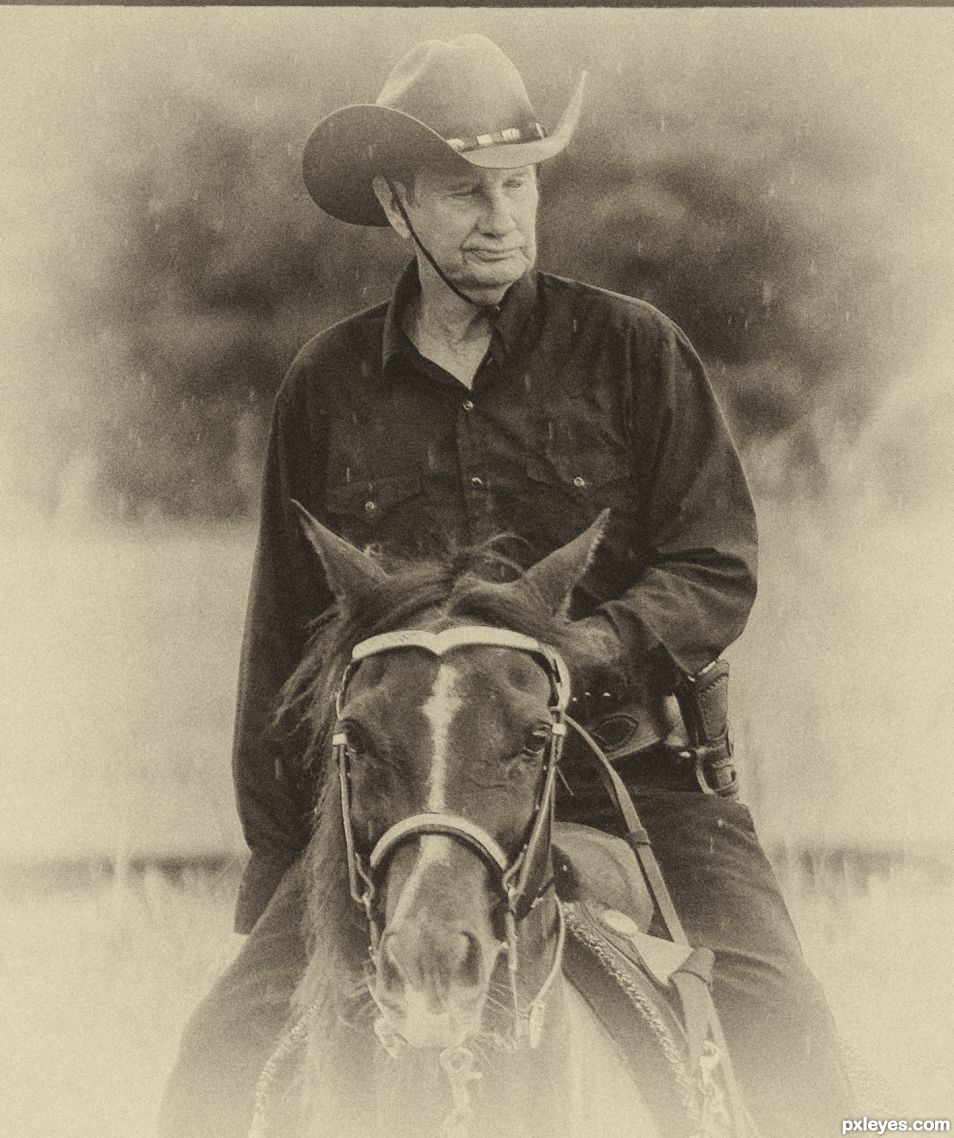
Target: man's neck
448,330
441,313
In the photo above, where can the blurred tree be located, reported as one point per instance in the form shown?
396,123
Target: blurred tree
749,216
739,193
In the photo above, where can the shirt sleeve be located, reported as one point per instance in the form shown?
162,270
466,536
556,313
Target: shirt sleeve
287,592
698,581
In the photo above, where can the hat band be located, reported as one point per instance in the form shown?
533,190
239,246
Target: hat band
509,135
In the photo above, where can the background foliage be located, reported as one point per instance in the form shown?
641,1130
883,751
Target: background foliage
761,177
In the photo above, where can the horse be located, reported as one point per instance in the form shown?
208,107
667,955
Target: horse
443,907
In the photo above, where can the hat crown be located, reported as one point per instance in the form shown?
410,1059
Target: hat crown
461,100
460,88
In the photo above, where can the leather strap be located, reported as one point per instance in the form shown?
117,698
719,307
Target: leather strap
626,726
636,837
697,1014
439,823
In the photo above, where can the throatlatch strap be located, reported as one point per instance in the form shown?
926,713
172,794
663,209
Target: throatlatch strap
636,837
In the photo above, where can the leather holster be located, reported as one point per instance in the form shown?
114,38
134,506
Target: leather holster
691,723
704,702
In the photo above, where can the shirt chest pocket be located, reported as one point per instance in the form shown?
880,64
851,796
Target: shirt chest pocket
372,511
583,485
586,471
580,455
581,442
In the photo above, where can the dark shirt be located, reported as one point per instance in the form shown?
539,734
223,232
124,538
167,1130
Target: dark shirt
585,399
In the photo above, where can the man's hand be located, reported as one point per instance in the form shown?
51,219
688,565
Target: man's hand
599,663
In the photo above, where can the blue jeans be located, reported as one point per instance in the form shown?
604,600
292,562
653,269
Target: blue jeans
775,1017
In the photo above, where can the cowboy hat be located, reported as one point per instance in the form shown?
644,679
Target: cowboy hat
462,100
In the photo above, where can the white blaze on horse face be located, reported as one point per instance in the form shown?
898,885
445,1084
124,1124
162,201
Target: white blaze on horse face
439,709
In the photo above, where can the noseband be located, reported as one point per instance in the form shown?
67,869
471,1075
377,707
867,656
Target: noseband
520,881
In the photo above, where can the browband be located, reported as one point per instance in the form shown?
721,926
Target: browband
437,643
482,635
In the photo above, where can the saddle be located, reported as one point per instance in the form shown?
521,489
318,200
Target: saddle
651,994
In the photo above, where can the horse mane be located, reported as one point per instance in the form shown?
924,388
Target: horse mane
464,587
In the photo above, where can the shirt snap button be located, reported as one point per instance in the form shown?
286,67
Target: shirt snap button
370,507
579,481
468,404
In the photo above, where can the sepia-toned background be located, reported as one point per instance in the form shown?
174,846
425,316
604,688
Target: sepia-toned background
777,181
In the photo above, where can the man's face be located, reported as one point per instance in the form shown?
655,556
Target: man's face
478,225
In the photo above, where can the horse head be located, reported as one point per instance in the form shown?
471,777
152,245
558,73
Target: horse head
447,737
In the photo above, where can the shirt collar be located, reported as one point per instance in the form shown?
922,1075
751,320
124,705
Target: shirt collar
507,318
394,340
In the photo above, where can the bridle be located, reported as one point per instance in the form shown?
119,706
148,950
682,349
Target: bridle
519,881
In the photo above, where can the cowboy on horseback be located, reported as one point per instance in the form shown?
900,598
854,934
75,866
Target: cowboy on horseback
489,398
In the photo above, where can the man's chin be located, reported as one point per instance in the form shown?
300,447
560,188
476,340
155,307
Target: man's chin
489,284
485,295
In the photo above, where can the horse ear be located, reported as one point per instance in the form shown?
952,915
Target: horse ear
555,576
351,574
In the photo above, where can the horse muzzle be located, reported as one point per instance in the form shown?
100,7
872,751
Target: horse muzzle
436,955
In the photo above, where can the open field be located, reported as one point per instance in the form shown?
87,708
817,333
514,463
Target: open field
103,976
119,692
106,975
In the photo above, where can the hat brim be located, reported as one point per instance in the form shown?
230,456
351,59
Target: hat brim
350,146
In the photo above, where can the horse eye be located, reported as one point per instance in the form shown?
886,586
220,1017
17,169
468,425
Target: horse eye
358,742
536,740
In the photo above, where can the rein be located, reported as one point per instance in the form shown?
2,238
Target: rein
520,881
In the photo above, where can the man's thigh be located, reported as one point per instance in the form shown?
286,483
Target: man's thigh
231,1034
721,881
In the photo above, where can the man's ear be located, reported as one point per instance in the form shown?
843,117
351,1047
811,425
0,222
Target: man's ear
382,191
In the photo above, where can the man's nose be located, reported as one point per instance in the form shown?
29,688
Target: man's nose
497,214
